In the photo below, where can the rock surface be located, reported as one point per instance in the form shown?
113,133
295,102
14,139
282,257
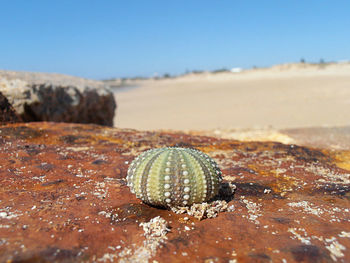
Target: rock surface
337,138
58,98
7,112
64,199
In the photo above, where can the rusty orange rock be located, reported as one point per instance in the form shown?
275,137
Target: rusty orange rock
64,199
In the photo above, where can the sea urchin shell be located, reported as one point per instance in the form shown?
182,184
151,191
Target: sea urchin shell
174,176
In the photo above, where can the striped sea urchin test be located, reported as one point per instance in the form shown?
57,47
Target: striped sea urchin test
174,176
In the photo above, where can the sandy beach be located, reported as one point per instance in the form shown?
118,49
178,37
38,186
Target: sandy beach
283,96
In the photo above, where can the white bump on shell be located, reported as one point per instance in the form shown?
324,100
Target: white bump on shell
168,163
167,194
184,202
186,197
185,173
183,166
167,200
167,178
186,181
186,189
167,170
167,186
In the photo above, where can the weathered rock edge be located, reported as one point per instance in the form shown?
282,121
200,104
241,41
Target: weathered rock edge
7,112
36,97
64,199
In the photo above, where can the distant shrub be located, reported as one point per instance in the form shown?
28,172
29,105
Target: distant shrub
220,70
197,71
138,78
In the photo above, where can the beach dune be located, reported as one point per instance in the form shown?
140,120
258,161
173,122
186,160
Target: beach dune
283,96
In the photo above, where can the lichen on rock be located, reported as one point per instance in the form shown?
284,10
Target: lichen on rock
64,198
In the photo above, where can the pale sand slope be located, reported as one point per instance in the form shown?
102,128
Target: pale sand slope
285,96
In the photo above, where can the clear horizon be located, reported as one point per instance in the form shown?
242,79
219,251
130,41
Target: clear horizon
113,39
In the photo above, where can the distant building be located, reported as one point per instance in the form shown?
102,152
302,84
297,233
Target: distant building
236,70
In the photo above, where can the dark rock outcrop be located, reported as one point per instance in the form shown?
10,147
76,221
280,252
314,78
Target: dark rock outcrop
7,112
64,199
58,98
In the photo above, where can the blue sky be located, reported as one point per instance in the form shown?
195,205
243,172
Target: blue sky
103,39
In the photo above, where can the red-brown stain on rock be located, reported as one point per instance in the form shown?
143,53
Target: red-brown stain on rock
64,199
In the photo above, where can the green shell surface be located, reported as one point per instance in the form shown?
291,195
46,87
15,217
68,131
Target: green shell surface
174,176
